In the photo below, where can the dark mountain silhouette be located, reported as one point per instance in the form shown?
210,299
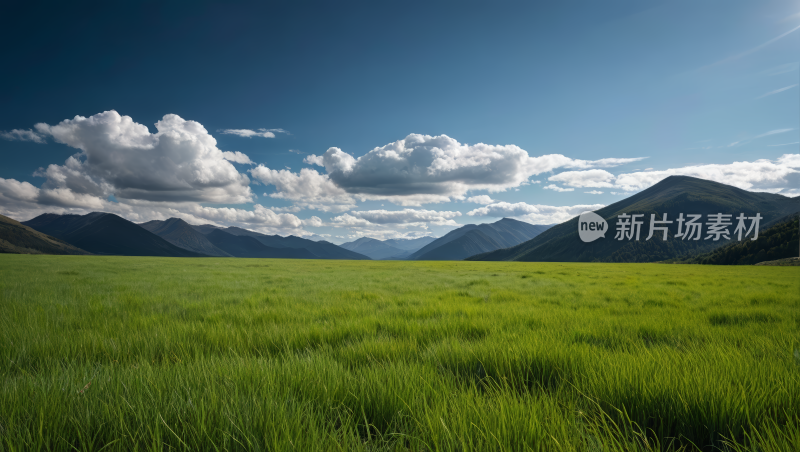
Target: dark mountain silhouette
246,246
17,238
182,234
779,241
472,239
374,249
672,196
320,250
106,233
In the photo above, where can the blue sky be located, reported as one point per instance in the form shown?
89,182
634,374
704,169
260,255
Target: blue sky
618,94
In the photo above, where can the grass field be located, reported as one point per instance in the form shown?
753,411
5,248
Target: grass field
251,354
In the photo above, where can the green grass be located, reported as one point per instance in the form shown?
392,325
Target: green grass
254,354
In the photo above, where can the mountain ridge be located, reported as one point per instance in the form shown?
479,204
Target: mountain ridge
17,238
183,235
671,196
106,233
471,239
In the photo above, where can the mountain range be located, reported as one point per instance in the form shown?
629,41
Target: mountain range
318,250
473,239
17,238
387,249
106,233
671,197
182,234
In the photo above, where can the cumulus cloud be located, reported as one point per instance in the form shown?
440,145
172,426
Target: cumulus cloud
439,168
778,176
308,188
594,192
23,135
557,188
482,199
152,176
248,133
237,157
533,213
180,162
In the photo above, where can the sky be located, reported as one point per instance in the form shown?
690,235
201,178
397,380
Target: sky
340,120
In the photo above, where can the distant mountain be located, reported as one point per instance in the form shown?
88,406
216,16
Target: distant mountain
473,239
672,196
106,233
374,249
410,245
779,241
17,238
245,246
182,234
320,250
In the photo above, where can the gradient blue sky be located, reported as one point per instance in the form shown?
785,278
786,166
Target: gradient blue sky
691,86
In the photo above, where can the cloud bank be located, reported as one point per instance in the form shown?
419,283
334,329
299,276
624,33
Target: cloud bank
781,175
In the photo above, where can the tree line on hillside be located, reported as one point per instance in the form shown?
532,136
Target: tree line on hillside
778,242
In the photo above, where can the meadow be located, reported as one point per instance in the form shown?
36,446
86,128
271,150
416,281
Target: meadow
129,353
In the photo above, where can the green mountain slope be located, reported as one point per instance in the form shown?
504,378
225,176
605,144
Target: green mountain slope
777,242
182,234
17,238
672,196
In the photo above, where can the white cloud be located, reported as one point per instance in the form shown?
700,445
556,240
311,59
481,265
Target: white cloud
481,199
588,178
23,135
313,222
314,160
790,160
533,213
385,224
784,144
557,188
308,188
439,168
118,156
778,176
152,176
780,90
247,133
237,157
594,192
